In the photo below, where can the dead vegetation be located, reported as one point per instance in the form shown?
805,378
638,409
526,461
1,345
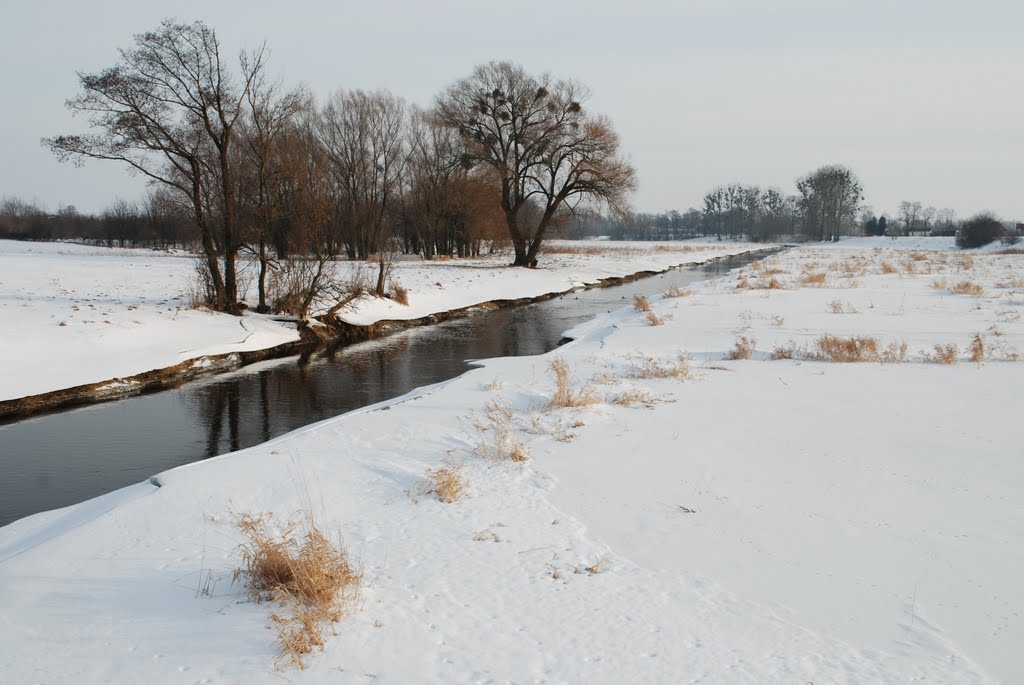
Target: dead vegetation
311,580
638,398
813,279
942,354
401,295
565,396
839,307
495,435
966,287
641,304
742,348
857,348
656,320
676,291
785,351
445,482
649,367
977,349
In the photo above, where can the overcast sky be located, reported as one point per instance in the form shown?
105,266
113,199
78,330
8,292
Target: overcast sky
923,99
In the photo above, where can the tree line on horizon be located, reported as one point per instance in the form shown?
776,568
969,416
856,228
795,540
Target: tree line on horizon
243,168
263,172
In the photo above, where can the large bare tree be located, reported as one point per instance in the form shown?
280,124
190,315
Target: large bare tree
544,148
829,199
168,110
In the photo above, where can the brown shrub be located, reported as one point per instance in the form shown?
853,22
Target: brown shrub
298,568
743,284
742,348
676,291
887,268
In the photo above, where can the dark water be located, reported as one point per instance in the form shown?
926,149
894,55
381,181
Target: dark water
58,459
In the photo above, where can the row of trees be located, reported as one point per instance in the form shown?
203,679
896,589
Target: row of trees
266,170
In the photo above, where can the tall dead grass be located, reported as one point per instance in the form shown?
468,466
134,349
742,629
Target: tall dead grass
565,395
742,348
311,580
977,349
495,434
857,348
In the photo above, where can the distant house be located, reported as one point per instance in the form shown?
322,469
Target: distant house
1020,229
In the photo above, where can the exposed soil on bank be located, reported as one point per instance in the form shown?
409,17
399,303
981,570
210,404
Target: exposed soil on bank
323,332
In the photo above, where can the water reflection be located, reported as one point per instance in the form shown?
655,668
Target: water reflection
58,459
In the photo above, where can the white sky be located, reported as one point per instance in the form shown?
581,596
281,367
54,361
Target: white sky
923,99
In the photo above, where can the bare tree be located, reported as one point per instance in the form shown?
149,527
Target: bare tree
361,135
829,199
535,136
268,166
909,214
168,110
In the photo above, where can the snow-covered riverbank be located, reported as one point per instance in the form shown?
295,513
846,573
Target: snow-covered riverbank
76,315
791,520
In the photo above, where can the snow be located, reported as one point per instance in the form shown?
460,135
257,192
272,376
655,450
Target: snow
75,314
848,523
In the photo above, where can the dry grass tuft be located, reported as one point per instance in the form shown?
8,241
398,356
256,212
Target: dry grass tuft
894,353
967,288
401,295
297,567
649,367
565,396
656,320
977,349
838,307
845,350
742,348
676,291
743,284
888,268
445,481
641,304
638,398
495,384
943,354
816,279
495,434
939,284
786,351
771,284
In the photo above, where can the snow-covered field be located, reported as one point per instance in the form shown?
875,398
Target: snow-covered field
766,521
74,314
